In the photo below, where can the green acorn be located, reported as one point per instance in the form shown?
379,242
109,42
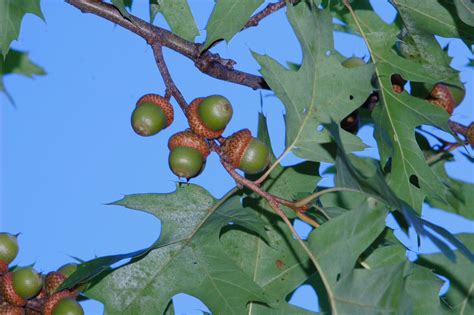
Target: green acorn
209,116
188,154
68,306
245,152
152,114
8,248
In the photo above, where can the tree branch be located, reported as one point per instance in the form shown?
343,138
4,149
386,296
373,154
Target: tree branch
207,62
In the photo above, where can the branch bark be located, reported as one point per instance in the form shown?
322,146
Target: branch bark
207,62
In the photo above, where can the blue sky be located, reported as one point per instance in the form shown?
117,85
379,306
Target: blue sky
67,148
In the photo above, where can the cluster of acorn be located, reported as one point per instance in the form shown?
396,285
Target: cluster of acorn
189,149
24,291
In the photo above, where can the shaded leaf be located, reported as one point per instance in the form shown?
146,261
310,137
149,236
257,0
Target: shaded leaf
465,9
11,16
437,17
17,62
308,94
362,174
338,244
227,18
178,15
460,295
460,194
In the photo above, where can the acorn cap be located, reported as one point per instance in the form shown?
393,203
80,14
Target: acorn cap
49,305
160,101
3,266
52,281
11,310
8,291
189,139
196,123
441,96
234,147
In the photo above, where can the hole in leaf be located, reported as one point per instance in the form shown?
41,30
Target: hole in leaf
338,277
414,181
320,128
328,53
351,97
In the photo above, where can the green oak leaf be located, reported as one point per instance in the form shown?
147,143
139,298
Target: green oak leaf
279,266
460,295
188,257
227,18
389,284
338,244
437,17
320,91
390,277
460,194
122,6
17,62
178,15
398,114
11,15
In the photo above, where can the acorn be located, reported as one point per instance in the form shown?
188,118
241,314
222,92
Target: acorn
52,281
209,116
8,291
441,96
53,300
8,249
245,152
11,310
353,62
151,114
68,306
188,153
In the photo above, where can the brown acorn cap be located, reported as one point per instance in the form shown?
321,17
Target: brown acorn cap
160,101
8,291
234,147
196,123
189,139
52,281
441,96
3,266
11,310
49,305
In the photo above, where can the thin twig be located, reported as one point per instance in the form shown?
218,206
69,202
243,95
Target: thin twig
170,86
308,199
436,157
207,62
269,9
